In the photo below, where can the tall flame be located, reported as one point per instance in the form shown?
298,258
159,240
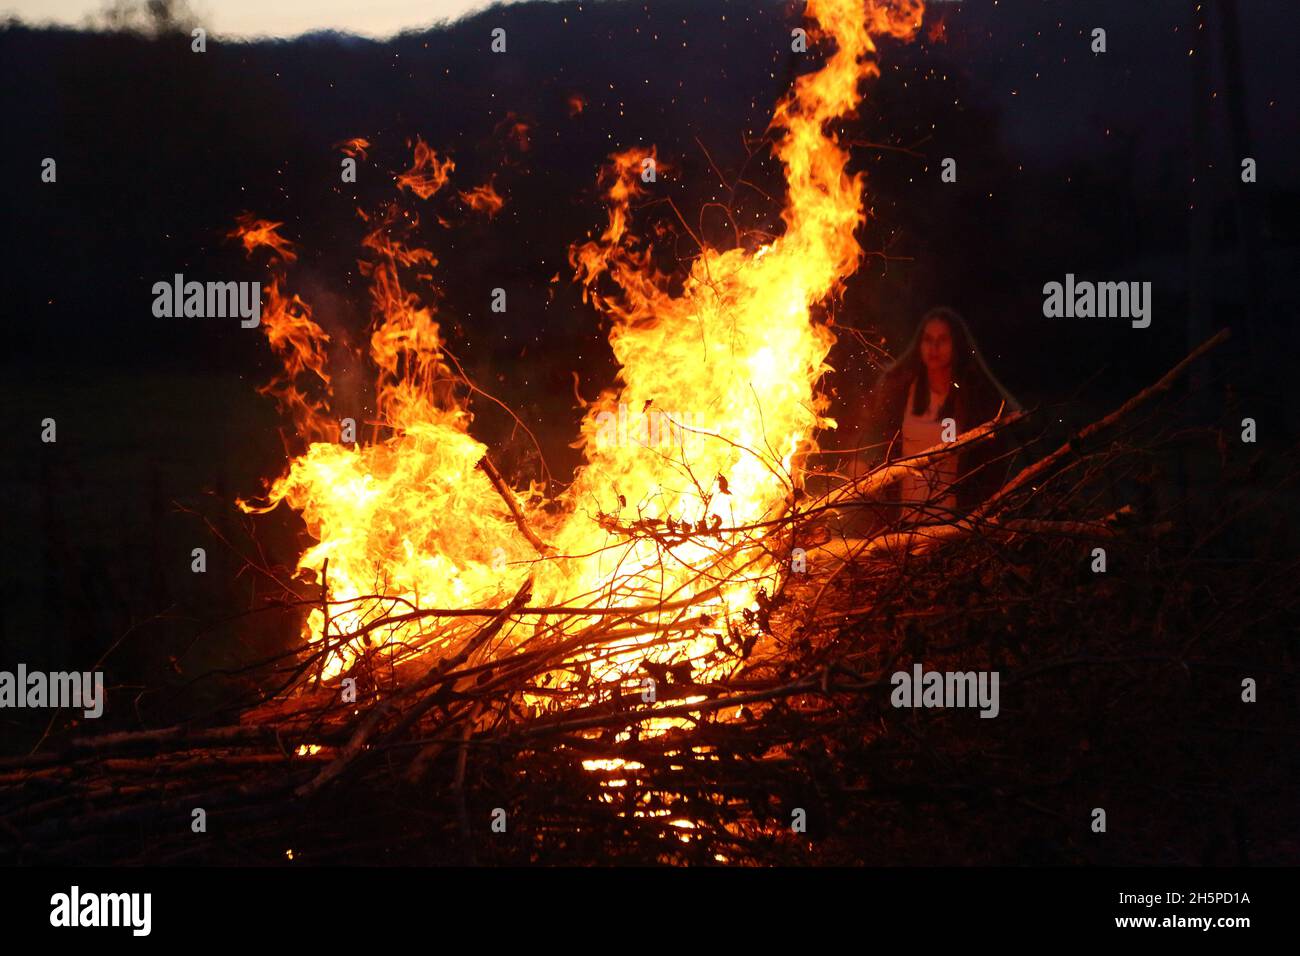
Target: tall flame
687,456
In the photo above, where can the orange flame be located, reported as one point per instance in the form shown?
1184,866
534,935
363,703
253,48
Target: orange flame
257,233
695,447
515,132
355,147
484,199
427,174
298,341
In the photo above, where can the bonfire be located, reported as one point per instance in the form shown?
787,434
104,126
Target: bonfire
674,657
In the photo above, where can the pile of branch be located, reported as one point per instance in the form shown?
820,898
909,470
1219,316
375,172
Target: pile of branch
780,745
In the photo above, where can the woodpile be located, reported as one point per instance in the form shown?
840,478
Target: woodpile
1119,690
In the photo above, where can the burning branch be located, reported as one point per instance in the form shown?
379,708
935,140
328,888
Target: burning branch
815,683
436,677
508,496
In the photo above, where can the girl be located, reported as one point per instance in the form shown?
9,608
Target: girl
941,375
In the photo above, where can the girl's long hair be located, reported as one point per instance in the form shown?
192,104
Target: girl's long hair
970,375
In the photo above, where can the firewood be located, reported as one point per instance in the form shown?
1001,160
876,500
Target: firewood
748,723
